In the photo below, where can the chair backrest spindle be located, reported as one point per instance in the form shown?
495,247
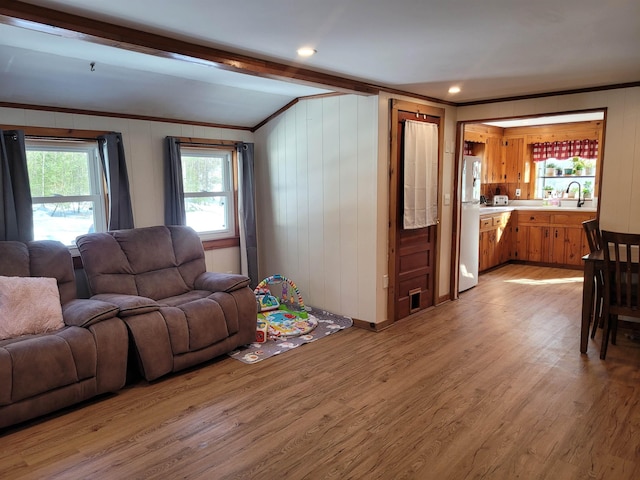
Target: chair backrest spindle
592,230
621,255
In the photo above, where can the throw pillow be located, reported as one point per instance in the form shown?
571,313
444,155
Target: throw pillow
29,305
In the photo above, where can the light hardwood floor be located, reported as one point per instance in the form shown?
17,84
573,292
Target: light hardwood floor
490,386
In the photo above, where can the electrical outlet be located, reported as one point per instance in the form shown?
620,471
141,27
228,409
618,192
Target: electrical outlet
517,192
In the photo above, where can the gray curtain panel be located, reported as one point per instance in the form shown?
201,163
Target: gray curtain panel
16,211
174,210
115,169
248,192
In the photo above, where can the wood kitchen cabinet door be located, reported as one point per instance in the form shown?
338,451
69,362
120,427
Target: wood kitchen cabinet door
539,247
482,252
514,160
574,245
487,250
521,243
485,167
495,161
557,245
505,243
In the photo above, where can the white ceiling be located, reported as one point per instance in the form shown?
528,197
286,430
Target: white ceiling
491,49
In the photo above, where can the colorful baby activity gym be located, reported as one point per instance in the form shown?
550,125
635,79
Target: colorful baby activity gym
283,316
284,322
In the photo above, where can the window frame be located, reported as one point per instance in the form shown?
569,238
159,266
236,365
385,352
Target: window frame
98,196
230,237
92,135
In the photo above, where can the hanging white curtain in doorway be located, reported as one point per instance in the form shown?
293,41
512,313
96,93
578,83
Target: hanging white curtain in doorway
420,174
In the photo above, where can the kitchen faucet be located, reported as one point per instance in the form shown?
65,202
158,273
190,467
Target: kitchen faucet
580,203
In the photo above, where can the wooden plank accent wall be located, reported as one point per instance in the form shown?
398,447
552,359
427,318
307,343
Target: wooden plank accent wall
558,132
316,175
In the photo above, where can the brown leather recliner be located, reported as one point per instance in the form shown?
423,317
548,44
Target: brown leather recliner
49,371
178,314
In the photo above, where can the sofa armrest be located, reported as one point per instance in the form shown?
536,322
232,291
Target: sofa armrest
82,312
129,304
221,282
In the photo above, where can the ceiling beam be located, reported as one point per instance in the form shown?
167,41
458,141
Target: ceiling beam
68,25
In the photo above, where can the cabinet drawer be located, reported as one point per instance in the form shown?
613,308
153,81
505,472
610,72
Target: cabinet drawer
570,218
485,223
498,221
534,217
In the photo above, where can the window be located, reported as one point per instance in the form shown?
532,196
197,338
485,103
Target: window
207,177
554,176
67,189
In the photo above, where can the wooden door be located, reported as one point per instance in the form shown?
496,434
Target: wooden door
412,252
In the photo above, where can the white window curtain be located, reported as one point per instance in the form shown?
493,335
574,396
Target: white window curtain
420,174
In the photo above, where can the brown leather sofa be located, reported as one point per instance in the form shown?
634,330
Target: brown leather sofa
44,372
178,314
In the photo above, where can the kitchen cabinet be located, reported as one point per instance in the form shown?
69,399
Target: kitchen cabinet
551,238
495,162
514,160
495,240
503,160
533,236
572,237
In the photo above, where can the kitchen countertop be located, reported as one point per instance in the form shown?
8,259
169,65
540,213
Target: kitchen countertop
549,208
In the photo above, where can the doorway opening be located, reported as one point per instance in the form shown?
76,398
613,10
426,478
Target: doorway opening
515,154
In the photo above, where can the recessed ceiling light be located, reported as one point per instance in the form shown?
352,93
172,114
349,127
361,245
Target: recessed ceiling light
306,51
454,89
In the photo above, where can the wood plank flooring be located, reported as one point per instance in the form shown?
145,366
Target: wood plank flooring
490,386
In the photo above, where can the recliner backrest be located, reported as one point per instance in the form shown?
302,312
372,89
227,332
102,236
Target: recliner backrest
40,258
155,262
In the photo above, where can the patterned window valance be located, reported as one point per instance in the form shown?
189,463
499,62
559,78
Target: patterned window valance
564,150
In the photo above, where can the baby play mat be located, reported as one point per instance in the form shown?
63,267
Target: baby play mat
283,323
328,323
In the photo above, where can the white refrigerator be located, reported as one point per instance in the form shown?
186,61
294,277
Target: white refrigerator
470,223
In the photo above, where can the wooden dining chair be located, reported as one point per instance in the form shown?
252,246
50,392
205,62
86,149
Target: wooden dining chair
621,285
594,238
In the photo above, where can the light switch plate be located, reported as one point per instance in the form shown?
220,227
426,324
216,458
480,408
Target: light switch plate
517,192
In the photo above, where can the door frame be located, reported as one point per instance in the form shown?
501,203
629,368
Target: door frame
418,109
458,158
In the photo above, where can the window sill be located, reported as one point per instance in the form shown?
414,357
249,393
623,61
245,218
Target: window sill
221,243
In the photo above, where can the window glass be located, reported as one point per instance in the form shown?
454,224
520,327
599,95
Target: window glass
207,176
66,185
562,178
